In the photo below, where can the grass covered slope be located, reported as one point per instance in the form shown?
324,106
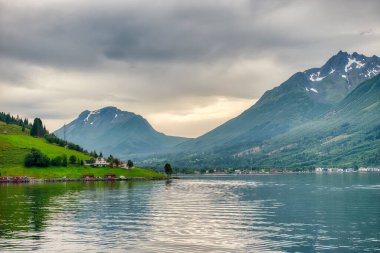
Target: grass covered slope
15,144
78,172
346,136
14,147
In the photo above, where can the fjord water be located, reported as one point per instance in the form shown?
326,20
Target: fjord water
247,213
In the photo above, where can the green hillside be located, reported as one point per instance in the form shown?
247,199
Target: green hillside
303,97
15,144
346,136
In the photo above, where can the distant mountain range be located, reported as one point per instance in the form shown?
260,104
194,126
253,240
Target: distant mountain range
112,131
346,135
298,100
265,134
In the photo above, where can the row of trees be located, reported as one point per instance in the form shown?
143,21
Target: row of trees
51,138
10,119
39,130
38,159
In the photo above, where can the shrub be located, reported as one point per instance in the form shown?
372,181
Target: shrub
36,158
64,160
73,159
57,161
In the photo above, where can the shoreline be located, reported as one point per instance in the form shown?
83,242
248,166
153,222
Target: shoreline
11,180
25,179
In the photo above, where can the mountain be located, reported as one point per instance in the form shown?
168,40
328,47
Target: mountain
340,75
347,135
303,97
112,131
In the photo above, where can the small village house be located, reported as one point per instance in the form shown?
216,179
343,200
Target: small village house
100,162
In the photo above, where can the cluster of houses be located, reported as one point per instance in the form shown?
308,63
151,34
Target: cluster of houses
101,162
333,170
363,169
340,170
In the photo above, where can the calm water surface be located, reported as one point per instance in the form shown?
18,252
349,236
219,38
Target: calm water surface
258,213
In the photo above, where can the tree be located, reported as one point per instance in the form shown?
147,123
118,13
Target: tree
73,159
64,160
130,164
38,130
29,160
110,159
94,154
101,154
57,161
36,158
23,128
168,169
116,162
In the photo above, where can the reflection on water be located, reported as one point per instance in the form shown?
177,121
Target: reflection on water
276,213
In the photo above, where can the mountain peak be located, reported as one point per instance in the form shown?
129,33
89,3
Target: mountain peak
340,75
116,132
109,108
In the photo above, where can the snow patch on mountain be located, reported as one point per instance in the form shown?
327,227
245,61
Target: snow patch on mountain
313,90
89,115
373,72
352,61
315,77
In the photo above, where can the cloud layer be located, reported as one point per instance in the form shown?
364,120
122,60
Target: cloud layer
187,66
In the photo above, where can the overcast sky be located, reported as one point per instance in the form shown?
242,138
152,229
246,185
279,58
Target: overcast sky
186,66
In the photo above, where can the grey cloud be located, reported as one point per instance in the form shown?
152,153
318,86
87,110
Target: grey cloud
194,31
167,56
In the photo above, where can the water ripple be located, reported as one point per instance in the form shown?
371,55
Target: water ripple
228,214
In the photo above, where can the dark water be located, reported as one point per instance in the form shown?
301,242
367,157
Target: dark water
274,213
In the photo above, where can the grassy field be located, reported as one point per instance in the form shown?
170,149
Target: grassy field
15,144
13,149
78,172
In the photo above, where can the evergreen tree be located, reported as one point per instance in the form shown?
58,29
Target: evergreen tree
110,159
168,169
130,164
38,130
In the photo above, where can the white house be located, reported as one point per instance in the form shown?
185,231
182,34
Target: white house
318,170
100,162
